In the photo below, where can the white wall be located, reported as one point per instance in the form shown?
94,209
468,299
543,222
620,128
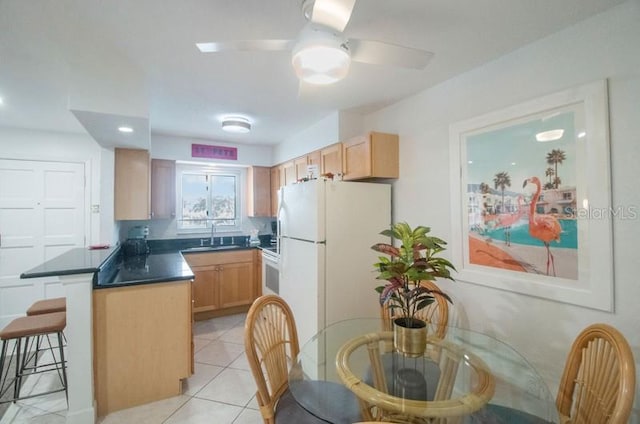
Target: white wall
69,147
606,46
322,133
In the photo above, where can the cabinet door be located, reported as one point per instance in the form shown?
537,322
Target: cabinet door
131,184
259,191
205,296
331,159
289,170
375,155
163,189
275,186
356,158
301,167
236,284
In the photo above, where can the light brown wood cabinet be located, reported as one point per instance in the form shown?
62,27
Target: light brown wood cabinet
142,344
163,189
301,167
375,155
302,162
258,191
331,159
131,184
225,282
288,171
275,186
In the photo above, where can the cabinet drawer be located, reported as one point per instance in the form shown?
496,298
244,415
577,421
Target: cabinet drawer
218,258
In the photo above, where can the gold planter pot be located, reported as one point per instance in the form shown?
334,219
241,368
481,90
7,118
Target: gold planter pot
410,341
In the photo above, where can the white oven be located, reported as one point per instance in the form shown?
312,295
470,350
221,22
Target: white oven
270,272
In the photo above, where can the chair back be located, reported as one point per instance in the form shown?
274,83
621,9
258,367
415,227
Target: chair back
271,344
598,382
436,315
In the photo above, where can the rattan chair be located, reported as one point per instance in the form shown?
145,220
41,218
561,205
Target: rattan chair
598,383
271,346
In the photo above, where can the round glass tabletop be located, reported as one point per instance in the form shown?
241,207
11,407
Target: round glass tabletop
464,377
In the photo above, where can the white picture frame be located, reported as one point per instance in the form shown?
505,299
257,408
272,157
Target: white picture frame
585,267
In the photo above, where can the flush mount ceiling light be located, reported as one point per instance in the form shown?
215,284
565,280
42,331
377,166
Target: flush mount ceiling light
320,56
551,135
236,124
124,129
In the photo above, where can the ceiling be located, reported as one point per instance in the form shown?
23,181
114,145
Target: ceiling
138,58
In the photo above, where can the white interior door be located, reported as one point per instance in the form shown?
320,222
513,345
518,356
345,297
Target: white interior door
42,214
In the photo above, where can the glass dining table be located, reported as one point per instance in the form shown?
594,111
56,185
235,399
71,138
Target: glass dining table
466,377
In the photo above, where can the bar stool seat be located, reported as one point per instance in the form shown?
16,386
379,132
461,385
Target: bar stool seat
47,306
35,325
21,330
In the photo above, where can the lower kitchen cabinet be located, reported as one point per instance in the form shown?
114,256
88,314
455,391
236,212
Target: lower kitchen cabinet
142,343
225,282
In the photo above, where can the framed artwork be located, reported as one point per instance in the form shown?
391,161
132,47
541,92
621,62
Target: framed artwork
531,198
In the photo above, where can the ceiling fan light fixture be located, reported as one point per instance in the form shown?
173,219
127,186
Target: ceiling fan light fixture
236,124
320,57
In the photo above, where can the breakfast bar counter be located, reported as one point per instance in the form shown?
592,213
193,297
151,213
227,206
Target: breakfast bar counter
162,277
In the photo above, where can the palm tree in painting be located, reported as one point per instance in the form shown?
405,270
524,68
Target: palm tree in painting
555,157
549,173
502,180
484,190
557,181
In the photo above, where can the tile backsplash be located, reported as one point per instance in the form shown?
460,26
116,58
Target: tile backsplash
167,228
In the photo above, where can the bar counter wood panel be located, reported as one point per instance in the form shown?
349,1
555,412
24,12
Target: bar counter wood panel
142,343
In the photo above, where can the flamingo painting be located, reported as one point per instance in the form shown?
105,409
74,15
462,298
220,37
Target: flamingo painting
545,228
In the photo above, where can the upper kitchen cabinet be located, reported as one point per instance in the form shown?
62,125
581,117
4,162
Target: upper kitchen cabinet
275,186
375,155
163,189
331,159
301,167
313,158
303,162
288,173
259,191
131,184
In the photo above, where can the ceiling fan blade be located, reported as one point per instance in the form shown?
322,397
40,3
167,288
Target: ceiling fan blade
245,45
378,53
332,13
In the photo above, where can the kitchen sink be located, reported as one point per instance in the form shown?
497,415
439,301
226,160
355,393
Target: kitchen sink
212,248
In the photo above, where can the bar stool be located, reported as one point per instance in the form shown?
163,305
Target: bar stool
47,306
21,331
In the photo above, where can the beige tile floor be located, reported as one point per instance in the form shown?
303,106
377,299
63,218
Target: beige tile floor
221,390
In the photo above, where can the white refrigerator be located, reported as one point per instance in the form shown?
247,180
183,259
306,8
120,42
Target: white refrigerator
327,229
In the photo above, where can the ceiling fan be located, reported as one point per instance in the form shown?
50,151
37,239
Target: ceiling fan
322,54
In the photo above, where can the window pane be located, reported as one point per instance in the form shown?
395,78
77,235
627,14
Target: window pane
194,201
223,199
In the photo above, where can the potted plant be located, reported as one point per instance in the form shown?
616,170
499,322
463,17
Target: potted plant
416,260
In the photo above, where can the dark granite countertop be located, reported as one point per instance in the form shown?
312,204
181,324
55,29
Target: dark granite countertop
144,269
111,268
80,260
